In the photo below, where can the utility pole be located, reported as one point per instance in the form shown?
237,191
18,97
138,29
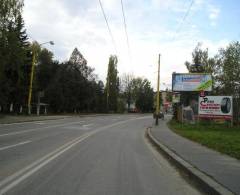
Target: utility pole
31,82
158,86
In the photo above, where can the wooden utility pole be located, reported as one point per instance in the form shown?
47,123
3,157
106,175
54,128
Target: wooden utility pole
158,86
31,82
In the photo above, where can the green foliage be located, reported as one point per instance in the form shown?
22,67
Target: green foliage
229,68
45,69
121,106
225,69
13,53
228,74
222,138
138,91
72,86
144,94
112,84
169,95
127,89
201,63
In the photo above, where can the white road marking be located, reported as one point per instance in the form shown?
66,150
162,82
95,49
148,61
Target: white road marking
39,128
88,125
19,123
19,176
15,145
40,123
13,180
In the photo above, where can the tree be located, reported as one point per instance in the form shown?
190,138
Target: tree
112,84
144,95
169,95
201,63
99,104
45,69
73,86
127,88
228,77
80,63
13,50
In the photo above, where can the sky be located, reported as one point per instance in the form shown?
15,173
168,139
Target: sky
171,28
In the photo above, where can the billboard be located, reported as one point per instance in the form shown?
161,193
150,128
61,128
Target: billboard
215,107
191,82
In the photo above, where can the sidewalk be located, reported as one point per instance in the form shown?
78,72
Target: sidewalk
222,168
18,119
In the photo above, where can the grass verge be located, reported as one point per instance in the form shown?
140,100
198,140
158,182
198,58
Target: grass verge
222,138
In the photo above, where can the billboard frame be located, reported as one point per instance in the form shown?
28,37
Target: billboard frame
174,73
216,115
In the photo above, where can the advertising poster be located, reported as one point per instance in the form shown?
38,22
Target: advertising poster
191,82
215,107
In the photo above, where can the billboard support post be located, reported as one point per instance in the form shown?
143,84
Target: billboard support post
182,113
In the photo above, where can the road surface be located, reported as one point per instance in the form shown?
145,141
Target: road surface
88,156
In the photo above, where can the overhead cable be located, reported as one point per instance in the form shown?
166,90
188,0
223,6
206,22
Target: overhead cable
109,30
125,27
184,18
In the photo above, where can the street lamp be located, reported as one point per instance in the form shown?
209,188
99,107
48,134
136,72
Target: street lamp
32,73
50,42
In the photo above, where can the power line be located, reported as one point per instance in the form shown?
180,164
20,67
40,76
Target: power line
183,19
109,30
125,27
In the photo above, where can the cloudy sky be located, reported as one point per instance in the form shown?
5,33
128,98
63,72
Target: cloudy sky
153,26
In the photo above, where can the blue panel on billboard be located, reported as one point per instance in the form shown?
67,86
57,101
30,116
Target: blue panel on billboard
191,82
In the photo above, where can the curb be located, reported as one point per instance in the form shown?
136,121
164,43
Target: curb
204,182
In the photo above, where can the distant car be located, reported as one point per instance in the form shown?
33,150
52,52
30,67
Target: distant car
161,115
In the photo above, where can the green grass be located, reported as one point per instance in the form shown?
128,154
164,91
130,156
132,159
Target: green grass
222,138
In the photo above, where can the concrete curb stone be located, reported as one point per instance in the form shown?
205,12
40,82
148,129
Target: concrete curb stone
200,179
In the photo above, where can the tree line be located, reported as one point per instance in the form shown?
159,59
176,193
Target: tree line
224,68
65,87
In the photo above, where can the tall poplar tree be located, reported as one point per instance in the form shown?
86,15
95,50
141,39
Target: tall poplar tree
112,84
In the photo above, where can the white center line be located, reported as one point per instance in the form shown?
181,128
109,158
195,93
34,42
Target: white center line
13,180
11,146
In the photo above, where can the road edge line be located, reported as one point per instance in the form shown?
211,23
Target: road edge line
21,175
33,121
200,179
15,145
13,180
49,119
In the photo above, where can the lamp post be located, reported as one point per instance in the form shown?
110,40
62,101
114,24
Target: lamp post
32,74
158,85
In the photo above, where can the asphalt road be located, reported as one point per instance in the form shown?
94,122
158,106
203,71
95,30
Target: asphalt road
88,155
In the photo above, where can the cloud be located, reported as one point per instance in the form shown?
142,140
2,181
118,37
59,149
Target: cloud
213,14
151,27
